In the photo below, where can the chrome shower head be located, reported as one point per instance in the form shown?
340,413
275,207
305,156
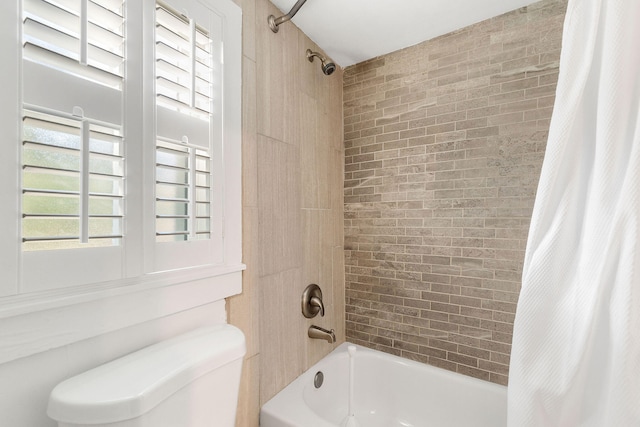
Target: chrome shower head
327,67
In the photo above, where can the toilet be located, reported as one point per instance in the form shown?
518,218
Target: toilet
188,381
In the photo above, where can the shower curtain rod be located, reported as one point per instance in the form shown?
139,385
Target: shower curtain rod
275,22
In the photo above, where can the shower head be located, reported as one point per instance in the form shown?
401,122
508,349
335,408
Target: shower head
327,67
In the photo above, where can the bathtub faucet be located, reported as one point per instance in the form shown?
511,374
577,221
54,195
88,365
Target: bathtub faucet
318,333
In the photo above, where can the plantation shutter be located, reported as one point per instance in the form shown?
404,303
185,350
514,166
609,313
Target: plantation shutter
72,140
115,169
187,67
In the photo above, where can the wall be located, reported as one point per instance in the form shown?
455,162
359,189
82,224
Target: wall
293,161
444,142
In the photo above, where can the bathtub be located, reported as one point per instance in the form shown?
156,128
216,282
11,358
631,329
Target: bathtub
389,392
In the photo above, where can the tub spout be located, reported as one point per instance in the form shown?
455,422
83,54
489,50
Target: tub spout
316,332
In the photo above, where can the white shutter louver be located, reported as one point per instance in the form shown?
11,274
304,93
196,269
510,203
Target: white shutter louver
183,64
182,193
80,37
73,185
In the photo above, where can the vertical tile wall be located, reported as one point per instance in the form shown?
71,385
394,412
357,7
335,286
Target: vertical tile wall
443,144
293,168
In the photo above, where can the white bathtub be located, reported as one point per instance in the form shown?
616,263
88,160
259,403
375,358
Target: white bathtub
389,392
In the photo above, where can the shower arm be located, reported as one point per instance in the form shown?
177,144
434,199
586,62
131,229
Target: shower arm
275,22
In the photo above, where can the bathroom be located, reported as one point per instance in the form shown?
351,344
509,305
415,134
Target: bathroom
386,106
402,185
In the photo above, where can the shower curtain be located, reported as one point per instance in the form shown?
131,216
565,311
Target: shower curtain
576,346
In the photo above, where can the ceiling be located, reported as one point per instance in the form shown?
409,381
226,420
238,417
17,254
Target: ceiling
352,31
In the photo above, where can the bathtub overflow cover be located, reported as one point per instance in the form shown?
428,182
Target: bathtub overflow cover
318,379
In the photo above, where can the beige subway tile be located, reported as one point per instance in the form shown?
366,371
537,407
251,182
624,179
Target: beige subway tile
493,367
441,363
476,312
465,321
462,359
473,372
284,332
509,118
248,27
248,411
499,379
508,97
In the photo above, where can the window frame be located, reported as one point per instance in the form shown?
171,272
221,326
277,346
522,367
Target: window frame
36,314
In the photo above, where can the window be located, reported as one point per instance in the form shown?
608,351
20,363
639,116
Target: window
122,165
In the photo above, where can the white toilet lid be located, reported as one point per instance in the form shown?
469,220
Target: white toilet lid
134,384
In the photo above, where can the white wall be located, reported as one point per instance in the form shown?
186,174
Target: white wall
25,383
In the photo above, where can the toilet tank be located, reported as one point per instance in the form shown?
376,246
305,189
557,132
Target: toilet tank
189,381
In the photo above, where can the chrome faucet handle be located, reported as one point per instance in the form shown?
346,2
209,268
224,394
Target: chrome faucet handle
317,302
312,301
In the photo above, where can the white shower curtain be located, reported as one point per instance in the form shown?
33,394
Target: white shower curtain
576,346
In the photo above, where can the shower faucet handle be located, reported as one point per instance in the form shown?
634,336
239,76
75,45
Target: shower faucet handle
317,302
312,301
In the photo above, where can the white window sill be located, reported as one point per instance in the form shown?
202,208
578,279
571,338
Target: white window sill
34,323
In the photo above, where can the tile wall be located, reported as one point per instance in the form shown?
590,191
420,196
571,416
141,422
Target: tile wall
293,168
443,144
